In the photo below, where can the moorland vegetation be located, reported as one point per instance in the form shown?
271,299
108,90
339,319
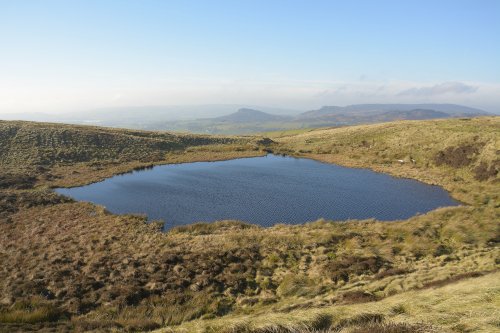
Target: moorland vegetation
69,266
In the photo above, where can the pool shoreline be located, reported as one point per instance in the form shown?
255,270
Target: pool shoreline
381,209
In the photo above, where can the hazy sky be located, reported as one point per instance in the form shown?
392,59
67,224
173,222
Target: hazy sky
58,56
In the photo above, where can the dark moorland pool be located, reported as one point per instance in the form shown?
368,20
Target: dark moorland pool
261,190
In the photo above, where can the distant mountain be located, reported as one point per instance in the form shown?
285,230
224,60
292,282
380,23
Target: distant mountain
323,111
417,114
365,109
245,115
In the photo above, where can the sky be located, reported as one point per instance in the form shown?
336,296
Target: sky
64,56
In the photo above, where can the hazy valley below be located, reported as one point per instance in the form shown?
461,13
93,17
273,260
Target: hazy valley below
234,119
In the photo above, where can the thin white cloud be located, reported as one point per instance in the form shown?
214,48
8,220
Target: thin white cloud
475,94
457,88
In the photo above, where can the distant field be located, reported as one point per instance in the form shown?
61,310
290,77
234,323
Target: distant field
247,128
282,133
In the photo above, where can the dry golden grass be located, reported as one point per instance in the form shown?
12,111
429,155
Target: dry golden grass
471,305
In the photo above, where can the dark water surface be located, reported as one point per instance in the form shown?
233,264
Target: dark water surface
261,190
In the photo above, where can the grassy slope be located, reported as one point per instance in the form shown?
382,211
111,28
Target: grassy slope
123,273
60,154
471,305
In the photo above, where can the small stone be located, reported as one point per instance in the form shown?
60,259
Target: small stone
178,269
7,300
151,285
195,287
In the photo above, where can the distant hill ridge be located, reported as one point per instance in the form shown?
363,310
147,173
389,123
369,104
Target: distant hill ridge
249,120
416,114
244,115
450,109
398,111
357,113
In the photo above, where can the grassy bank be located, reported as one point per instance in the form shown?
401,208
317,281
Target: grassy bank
470,305
74,266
